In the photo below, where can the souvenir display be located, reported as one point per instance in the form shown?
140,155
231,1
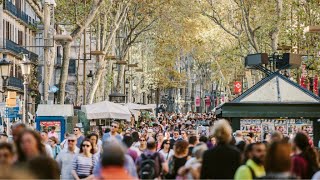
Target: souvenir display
287,127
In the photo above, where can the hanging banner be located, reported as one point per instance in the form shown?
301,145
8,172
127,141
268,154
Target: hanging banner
315,84
198,101
303,82
208,101
237,87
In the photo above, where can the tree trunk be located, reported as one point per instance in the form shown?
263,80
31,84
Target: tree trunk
275,31
64,72
103,63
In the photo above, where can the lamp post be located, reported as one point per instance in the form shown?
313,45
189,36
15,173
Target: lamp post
26,70
5,66
90,77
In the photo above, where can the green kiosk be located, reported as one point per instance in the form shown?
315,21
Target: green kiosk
275,103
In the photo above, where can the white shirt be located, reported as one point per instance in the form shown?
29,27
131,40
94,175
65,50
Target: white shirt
64,159
166,155
48,150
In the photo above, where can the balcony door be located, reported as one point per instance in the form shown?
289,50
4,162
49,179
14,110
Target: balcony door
18,5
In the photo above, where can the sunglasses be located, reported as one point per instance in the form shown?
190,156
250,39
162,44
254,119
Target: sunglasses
71,140
142,140
167,143
75,130
86,145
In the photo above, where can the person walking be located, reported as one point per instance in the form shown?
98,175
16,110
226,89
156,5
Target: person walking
53,141
222,161
29,146
6,155
93,137
179,159
176,137
151,164
253,168
193,140
66,156
113,132
127,141
304,161
64,143
278,161
112,162
45,141
160,139
192,168
143,144
165,150
52,132
84,162
77,132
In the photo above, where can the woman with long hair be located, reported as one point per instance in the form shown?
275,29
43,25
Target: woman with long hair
278,161
305,161
93,137
165,149
179,159
84,162
29,146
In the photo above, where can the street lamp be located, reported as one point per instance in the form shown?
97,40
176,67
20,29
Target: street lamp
5,66
90,77
26,70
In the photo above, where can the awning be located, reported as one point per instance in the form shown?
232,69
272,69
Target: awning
106,110
55,110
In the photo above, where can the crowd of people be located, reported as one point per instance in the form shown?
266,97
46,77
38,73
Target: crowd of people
171,146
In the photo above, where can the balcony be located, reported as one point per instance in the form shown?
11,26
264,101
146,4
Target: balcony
14,83
7,5
12,46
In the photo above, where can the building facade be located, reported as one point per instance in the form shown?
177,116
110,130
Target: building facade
18,32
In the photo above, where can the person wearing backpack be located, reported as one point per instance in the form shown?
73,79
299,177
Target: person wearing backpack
151,164
253,168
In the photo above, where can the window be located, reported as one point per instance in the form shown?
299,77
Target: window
7,30
72,66
20,38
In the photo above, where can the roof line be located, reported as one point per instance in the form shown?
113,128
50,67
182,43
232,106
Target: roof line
267,79
253,88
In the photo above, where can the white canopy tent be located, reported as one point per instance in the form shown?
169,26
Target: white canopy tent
133,106
106,109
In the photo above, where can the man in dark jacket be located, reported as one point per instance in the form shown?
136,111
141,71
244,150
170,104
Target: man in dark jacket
222,161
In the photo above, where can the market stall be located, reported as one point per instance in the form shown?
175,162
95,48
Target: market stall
106,110
274,103
55,115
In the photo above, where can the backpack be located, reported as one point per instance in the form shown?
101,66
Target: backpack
147,166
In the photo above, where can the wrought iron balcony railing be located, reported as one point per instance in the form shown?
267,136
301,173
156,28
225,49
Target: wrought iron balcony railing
10,45
14,83
9,6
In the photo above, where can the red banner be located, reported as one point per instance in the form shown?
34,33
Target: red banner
198,101
208,101
315,84
237,87
303,82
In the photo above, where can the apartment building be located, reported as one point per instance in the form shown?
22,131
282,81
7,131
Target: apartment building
18,31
